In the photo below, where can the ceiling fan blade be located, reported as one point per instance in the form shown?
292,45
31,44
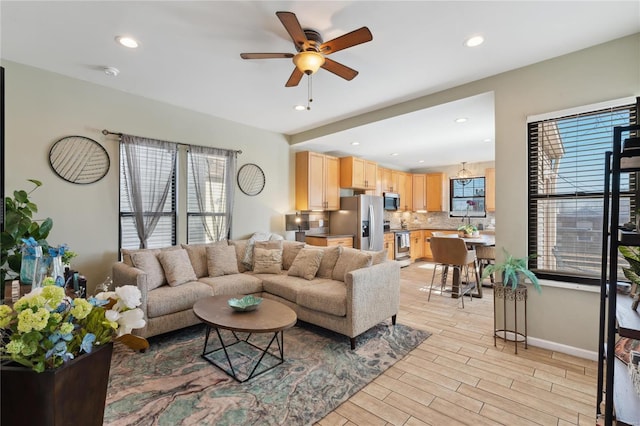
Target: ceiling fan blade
293,27
359,36
295,78
265,55
339,69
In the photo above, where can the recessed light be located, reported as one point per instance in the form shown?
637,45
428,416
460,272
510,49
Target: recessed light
355,143
474,41
299,107
486,140
111,71
127,42
395,154
460,120
420,161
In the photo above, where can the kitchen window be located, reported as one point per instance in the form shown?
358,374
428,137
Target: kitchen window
466,197
566,189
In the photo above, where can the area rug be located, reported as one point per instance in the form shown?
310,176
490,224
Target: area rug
170,384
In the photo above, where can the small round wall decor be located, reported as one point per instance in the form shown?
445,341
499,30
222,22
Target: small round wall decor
251,179
78,159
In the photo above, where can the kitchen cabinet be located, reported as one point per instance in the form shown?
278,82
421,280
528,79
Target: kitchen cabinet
490,189
329,240
317,181
416,250
404,184
434,183
387,180
419,199
389,245
358,173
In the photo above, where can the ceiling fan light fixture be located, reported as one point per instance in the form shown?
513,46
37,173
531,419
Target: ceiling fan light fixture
308,62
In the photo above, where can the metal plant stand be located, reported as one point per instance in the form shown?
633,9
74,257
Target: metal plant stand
514,296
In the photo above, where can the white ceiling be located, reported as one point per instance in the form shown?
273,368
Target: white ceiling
189,57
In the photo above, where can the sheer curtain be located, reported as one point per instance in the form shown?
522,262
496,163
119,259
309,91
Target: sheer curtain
149,167
211,185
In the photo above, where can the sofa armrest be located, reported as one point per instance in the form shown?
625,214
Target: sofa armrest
373,294
124,274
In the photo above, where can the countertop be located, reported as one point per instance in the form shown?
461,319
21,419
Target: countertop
331,235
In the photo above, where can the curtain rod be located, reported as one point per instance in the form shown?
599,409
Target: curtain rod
108,132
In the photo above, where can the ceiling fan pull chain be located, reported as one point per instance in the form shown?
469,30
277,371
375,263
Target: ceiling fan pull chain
309,92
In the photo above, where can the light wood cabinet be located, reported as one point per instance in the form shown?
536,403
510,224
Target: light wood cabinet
328,241
389,245
416,250
419,199
317,181
387,180
406,191
358,173
434,191
490,189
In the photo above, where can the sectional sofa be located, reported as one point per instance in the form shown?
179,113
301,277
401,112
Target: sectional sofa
341,289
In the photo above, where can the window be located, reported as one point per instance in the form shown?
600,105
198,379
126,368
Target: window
466,197
566,191
153,164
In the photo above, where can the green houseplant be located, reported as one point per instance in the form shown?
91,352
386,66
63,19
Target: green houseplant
511,269
632,255
19,224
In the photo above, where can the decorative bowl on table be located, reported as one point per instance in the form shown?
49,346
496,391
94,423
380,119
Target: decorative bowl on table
245,304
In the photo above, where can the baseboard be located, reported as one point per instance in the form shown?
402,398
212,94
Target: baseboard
565,349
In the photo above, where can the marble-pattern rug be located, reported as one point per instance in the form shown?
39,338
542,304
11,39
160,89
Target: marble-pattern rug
170,384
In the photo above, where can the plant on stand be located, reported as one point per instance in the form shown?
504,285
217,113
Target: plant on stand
512,270
18,225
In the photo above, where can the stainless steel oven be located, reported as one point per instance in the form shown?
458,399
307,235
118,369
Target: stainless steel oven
402,248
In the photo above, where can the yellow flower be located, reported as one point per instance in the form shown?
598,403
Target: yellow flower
66,328
15,346
29,320
81,308
53,295
5,316
48,282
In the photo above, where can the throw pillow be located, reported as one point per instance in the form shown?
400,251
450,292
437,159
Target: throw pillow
350,259
306,263
127,253
290,250
328,262
247,259
147,261
267,261
198,256
221,260
177,267
241,248
378,256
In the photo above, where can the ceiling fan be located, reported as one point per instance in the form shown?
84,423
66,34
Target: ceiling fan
312,50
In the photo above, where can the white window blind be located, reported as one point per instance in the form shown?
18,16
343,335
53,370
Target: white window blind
566,191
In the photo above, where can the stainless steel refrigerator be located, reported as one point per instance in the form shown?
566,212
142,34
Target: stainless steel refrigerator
362,216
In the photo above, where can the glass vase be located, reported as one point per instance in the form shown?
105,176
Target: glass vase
57,271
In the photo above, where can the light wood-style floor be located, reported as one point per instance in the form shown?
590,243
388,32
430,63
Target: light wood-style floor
457,376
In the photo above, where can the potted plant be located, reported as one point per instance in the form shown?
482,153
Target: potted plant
468,230
513,270
18,225
59,349
632,255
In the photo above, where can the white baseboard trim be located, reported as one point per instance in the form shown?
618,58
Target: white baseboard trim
565,349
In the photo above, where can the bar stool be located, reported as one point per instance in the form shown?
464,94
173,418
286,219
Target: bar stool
486,256
453,252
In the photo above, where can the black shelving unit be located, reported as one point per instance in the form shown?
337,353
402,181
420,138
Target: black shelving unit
621,402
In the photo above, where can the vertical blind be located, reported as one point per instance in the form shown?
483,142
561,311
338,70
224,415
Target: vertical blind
566,191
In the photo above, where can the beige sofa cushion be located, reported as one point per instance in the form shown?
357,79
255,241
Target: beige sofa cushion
285,286
127,253
350,259
198,256
290,250
168,300
241,247
328,296
221,260
236,284
306,263
147,261
378,257
267,260
328,262
177,267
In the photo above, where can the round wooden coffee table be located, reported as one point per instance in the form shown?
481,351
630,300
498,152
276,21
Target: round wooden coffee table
270,317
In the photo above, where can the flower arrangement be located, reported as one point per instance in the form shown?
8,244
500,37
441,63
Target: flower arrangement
45,328
468,229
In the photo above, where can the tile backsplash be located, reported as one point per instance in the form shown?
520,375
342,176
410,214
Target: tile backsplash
437,220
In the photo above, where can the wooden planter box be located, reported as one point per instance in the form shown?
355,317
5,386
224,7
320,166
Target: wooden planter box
73,394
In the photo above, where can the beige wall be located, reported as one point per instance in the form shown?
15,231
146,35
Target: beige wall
42,107
605,72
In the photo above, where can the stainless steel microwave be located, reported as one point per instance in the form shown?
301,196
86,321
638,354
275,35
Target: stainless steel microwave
391,201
